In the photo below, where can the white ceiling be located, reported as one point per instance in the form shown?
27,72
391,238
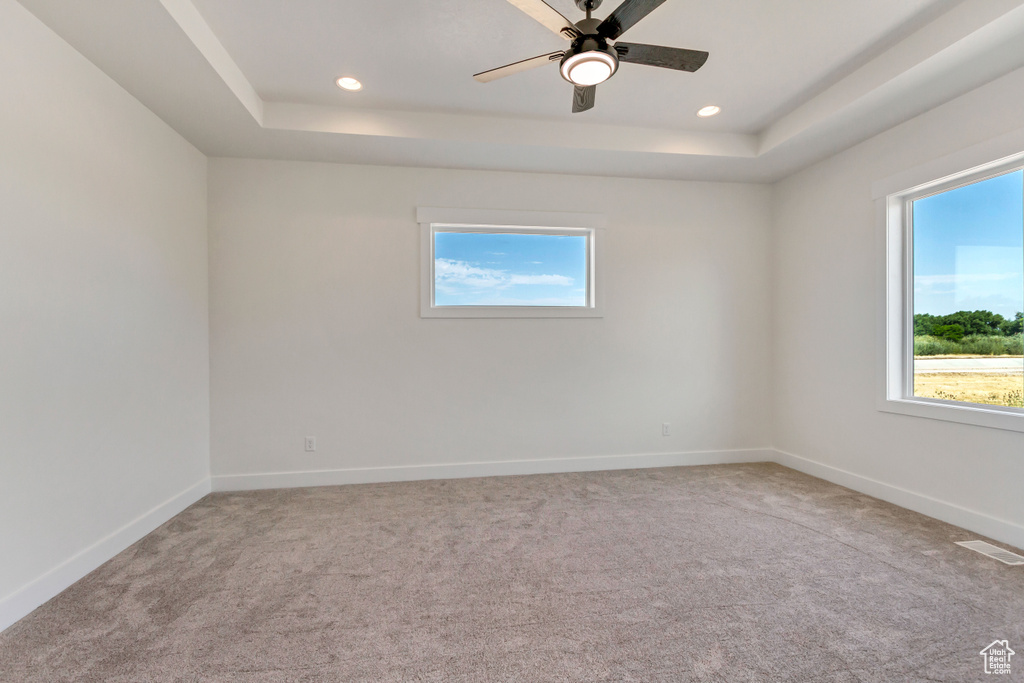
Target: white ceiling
796,79
764,54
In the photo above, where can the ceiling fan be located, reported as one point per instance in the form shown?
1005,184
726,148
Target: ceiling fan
594,55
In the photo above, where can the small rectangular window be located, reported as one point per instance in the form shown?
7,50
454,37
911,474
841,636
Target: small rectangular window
477,270
476,267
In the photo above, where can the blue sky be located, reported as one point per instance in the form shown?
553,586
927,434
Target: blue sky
969,248
509,269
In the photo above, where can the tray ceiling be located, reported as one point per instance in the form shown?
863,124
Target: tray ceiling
796,79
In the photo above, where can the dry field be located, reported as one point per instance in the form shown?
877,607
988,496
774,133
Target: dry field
1006,389
964,355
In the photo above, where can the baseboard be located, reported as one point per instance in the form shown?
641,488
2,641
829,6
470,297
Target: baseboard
980,523
27,598
369,475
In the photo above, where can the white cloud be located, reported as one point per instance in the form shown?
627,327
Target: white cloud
962,278
454,277
460,274
558,280
510,301
998,292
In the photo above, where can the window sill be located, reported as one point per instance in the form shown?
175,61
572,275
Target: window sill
995,417
510,312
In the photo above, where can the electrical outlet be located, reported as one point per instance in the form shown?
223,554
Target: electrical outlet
666,429
310,444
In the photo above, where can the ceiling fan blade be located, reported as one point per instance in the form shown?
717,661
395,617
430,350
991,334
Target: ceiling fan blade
625,15
583,98
655,55
516,67
549,16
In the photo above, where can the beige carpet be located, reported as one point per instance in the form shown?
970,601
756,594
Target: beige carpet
721,573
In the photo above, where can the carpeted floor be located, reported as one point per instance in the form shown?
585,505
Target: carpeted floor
719,573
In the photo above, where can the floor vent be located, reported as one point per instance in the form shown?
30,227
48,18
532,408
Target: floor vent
1004,556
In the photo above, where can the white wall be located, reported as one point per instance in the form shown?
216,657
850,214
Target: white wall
827,309
104,372
315,329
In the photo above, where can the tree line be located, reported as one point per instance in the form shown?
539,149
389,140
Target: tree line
956,326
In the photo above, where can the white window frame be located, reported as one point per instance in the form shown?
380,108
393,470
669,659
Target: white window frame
591,226
893,197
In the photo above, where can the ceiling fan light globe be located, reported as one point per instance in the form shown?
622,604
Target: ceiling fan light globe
590,72
588,68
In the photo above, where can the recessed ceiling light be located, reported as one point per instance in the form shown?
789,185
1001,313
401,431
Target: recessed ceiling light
349,83
707,111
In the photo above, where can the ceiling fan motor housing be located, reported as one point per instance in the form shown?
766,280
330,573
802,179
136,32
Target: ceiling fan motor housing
589,44
593,56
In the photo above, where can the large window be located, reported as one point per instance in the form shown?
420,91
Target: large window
968,294
483,269
955,297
